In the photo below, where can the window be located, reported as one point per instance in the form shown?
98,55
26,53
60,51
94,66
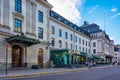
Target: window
60,44
83,42
75,38
89,44
52,29
83,49
40,33
89,50
76,47
66,45
18,25
86,50
18,4
71,37
94,51
40,16
71,46
79,40
60,33
79,48
94,44
53,41
66,35
86,43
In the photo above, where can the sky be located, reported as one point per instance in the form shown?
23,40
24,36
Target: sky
105,13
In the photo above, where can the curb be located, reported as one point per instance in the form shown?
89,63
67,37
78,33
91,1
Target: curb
44,73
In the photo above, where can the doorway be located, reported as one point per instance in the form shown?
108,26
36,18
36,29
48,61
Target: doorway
40,58
16,56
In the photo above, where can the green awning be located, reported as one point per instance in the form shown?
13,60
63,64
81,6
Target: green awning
97,56
22,39
87,55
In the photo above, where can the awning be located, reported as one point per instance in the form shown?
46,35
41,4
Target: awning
22,39
87,55
97,57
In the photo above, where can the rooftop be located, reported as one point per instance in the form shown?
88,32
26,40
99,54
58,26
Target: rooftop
60,18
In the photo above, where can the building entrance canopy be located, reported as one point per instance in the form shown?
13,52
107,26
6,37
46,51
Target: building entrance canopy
22,39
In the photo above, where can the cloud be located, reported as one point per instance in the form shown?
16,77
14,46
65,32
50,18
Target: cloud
112,38
116,15
93,9
68,9
114,10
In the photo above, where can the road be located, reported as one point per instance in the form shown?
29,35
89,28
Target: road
111,73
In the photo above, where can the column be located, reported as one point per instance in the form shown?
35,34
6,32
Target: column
6,8
0,11
33,18
27,16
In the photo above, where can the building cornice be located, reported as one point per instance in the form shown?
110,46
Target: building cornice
46,4
32,34
18,15
5,33
5,26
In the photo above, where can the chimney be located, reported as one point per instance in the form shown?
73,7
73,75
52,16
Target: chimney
86,23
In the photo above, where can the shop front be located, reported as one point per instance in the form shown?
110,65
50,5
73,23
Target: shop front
64,57
109,59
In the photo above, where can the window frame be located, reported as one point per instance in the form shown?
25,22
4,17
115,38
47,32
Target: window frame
40,37
40,16
60,33
17,22
18,6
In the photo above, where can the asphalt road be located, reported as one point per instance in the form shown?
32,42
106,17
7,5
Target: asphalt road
112,73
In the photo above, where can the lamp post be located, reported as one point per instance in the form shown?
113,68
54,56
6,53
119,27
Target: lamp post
6,71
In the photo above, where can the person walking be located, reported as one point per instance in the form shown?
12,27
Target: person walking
94,64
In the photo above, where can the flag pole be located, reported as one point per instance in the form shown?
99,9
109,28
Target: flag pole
104,22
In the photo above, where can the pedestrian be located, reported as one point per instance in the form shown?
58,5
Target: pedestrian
94,64
89,64
86,63
113,63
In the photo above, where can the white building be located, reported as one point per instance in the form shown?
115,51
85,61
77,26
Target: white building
67,36
117,53
27,28
24,33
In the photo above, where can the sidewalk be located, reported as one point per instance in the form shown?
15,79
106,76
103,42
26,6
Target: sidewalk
43,71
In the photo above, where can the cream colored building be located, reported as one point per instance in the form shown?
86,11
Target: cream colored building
28,27
24,33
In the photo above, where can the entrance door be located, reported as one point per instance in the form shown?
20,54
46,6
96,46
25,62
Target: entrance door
16,56
40,58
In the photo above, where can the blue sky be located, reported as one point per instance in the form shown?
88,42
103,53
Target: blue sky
93,11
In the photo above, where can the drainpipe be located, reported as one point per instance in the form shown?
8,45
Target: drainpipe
25,55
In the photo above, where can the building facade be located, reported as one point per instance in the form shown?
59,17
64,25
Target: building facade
24,29
100,42
117,53
29,30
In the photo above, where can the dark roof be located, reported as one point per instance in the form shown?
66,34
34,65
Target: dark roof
90,28
60,18
116,49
